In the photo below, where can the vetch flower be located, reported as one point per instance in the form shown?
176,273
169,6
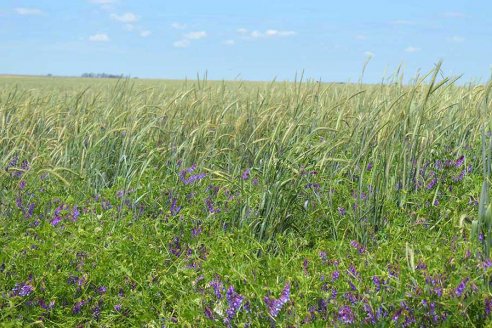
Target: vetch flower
346,315
22,290
342,211
275,305
460,161
432,183
175,209
461,287
245,175
217,285
335,275
234,300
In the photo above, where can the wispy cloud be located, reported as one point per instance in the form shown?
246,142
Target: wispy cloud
271,33
402,22
412,49
28,11
178,26
360,37
99,37
127,18
145,33
242,30
183,43
188,37
454,14
195,35
456,39
103,2
229,42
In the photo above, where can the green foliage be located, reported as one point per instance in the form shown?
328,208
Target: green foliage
135,203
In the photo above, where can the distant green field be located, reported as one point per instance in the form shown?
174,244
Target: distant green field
209,203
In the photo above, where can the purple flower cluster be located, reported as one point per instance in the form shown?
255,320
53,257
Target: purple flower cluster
234,300
275,305
246,173
175,209
346,315
210,206
461,287
22,290
217,285
192,177
357,246
342,211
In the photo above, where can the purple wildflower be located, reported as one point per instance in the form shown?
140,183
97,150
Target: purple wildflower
488,306
175,247
370,316
208,313
234,300
461,176
75,213
421,265
22,290
335,275
357,246
323,256
22,184
346,315
369,166
175,209
460,161
29,211
275,305
102,290
192,178
55,221
217,285
377,283
117,307
210,206
461,287
432,183
342,211
245,174
305,265
78,307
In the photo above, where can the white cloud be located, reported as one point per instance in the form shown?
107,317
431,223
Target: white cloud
129,27
28,11
195,35
229,42
270,34
454,14
99,37
369,54
412,49
279,33
361,37
126,18
183,43
178,26
403,22
188,37
456,39
103,2
145,33
242,30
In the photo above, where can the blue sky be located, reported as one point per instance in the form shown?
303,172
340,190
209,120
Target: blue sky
248,40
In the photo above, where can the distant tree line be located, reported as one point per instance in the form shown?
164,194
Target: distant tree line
104,76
